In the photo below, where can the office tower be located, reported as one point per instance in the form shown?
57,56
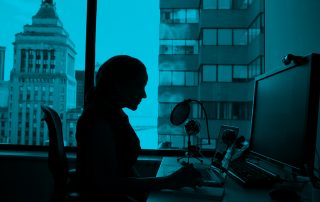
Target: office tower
43,73
2,60
209,51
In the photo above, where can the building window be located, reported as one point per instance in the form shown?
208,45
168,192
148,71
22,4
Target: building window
192,78
209,73
240,37
240,73
192,15
210,4
178,47
178,78
225,73
224,4
210,36
45,54
166,16
224,36
179,16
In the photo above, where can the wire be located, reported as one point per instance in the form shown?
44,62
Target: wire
205,114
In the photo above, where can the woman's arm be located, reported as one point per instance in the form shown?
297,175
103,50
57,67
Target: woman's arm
105,174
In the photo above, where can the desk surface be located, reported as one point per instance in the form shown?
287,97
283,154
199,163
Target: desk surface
232,190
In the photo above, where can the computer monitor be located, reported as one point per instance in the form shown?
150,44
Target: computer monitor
285,113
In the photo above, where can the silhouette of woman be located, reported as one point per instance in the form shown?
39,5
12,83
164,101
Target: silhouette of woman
107,145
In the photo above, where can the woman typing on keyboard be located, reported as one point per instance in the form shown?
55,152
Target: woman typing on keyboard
107,145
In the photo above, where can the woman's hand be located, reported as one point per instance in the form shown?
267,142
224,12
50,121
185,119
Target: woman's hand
186,176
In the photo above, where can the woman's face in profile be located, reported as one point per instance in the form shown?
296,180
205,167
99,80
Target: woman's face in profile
133,91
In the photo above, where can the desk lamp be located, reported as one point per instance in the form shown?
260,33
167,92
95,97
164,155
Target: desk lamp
179,115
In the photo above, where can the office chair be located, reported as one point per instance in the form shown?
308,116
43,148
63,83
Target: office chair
64,187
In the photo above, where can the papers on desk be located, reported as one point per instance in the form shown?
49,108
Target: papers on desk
189,194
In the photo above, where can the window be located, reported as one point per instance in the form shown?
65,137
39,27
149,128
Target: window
225,73
209,73
240,73
187,60
210,4
178,46
166,47
166,16
178,78
240,37
179,15
209,37
38,50
224,37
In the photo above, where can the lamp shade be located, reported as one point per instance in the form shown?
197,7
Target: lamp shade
180,113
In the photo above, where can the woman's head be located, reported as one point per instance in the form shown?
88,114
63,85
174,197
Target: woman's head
122,79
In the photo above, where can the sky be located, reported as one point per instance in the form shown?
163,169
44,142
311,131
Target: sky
123,27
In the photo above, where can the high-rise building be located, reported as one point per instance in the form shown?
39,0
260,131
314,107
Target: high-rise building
209,51
43,73
2,60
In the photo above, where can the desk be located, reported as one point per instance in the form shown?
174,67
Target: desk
233,192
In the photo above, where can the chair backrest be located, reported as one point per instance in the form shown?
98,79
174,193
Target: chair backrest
57,159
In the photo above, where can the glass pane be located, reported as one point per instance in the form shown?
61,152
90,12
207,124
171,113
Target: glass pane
179,15
192,15
191,78
240,37
131,27
209,37
179,46
165,47
225,4
178,78
210,4
209,73
224,73
165,78
240,72
166,15
48,49
192,47
224,37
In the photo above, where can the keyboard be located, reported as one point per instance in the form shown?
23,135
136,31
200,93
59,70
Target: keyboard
250,175
210,178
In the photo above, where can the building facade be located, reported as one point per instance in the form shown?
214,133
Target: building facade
43,73
209,51
2,60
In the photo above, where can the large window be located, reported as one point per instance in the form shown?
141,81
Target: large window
48,46
192,56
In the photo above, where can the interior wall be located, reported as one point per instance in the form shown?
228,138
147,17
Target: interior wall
291,26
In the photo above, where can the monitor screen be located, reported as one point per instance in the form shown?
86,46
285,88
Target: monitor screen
280,116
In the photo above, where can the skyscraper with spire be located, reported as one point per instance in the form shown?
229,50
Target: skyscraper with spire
43,73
